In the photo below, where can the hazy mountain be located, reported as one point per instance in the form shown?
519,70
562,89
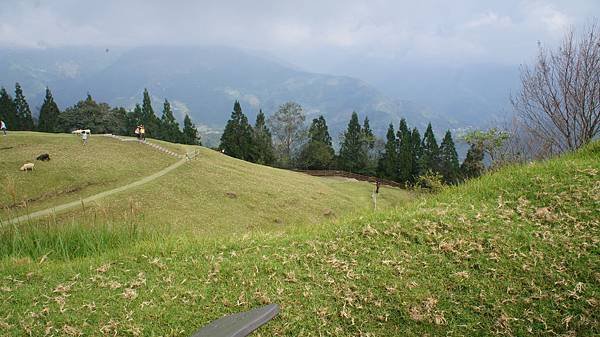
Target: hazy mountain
201,81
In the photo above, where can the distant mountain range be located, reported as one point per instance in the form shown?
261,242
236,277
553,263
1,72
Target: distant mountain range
203,82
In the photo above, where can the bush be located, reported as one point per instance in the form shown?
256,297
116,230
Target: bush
430,181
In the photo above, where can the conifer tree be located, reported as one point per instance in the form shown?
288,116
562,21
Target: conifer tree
472,166
318,153
8,111
24,118
388,164
449,166
236,140
149,119
263,152
368,134
48,114
417,151
134,118
353,152
430,155
405,148
190,133
169,127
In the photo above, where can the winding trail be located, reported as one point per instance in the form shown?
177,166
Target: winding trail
104,194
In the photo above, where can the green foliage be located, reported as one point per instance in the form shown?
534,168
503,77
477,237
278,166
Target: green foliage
368,133
405,149
134,118
429,160
149,119
353,151
190,133
169,127
449,166
98,117
49,113
490,142
388,164
287,125
430,181
417,152
318,153
237,136
473,166
263,152
8,111
24,119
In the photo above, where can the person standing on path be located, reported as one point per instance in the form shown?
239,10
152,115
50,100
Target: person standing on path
143,132
137,132
84,137
3,127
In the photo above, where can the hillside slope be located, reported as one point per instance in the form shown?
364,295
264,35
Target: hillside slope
513,253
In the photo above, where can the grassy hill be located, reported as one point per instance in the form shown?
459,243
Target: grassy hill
512,253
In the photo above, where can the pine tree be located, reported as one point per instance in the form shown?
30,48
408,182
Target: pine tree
8,111
149,119
134,118
48,114
430,156
353,152
417,152
388,164
368,134
449,166
405,148
24,118
318,153
190,133
169,127
237,137
263,142
472,166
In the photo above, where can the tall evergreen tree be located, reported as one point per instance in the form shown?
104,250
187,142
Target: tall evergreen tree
48,114
287,126
368,133
353,152
405,149
190,133
318,153
449,166
417,151
169,127
8,111
430,156
472,166
134,118
237,136
149,118
24,118
388,164
263,152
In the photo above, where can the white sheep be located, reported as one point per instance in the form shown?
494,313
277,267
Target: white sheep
27,167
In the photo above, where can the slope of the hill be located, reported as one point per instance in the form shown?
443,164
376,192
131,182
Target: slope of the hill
73,172
513,253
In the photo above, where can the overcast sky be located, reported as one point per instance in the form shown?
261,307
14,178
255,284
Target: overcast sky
303,32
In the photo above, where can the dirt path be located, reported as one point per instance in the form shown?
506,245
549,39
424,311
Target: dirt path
101,195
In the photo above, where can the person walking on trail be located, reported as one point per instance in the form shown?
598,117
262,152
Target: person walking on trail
137,132
3,127
143,132
84,137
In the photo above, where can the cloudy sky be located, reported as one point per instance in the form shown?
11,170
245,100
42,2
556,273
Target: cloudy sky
323,35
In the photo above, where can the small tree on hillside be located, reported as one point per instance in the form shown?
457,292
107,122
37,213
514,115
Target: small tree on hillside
263,152
48,114
8,111
472,166
287,125
388,164
169,127
491,143
236,140
404,152
318,153
353,151
190,133
430,155
24,118
449,166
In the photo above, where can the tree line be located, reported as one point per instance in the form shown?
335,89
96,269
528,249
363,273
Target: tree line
404,156
98,117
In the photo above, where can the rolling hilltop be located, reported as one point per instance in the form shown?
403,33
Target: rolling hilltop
511,253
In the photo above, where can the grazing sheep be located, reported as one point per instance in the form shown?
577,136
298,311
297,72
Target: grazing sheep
43,157
27,167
